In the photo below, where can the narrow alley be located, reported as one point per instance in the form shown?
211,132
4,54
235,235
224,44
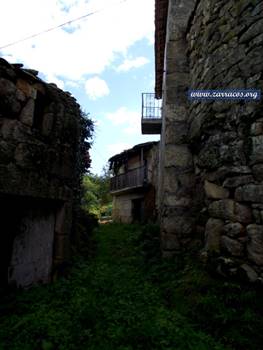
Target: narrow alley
121,297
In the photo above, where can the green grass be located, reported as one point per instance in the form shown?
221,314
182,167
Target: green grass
125,298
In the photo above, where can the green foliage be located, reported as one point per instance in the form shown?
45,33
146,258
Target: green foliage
96,196
83,242
86,134
124,299
90,198
83,161
227,311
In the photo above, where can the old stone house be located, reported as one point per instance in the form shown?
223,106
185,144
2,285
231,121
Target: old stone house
211,163
39,145
133,185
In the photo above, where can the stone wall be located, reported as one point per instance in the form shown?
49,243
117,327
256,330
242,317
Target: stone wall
123,207
176,162
225,48
39,134
212,151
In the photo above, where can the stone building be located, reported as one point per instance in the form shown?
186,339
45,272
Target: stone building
133,185
39,141
211,153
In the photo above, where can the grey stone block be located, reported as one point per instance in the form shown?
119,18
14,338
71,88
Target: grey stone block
232,246
255,243
213,232
228,209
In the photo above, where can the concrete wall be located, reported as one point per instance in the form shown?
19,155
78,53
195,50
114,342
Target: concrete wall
211,155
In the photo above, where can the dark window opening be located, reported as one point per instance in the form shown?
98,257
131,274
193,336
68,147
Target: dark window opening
41,103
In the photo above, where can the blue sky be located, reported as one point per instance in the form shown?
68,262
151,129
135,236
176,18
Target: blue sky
106,61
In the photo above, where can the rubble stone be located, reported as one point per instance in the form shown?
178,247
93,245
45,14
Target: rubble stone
214,191
255,243
230,210
234,230
213,232
218,144
248,273
31,194
232,246
250,193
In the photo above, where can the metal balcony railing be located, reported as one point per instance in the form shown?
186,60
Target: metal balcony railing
151,107
131,179
151,114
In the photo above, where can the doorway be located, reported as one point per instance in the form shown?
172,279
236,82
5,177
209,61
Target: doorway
26,241
137,210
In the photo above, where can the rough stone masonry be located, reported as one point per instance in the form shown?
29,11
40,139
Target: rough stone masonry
39,134
212,152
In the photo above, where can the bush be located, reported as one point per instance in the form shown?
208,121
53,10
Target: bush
149,242
83,242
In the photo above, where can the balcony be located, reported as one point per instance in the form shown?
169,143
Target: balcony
129,181
151,114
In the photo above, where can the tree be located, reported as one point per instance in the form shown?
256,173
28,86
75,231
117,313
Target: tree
96,197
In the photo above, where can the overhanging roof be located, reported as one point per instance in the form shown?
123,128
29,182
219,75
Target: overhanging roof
161,10
123,156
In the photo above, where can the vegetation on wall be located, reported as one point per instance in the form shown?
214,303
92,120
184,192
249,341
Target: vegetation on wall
86,133
83,221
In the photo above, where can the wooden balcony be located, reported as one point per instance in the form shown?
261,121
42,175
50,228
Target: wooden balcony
129,181
151,114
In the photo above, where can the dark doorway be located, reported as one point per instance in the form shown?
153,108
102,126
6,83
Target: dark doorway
137,210
10,220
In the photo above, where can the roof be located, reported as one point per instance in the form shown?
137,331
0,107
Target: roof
161,10
118,158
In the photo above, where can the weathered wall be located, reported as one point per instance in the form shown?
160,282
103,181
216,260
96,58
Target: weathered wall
32,252
124,202
39,134
123,207
225,48
176,162
151,197
212,151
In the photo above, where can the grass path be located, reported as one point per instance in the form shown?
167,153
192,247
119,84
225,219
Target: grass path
109,302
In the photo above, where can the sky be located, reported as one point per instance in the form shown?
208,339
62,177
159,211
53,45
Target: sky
105,60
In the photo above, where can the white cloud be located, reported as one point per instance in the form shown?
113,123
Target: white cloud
133,63
53,79
72,84
133,129
118,147
96,87
84,47
118,117
131,120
